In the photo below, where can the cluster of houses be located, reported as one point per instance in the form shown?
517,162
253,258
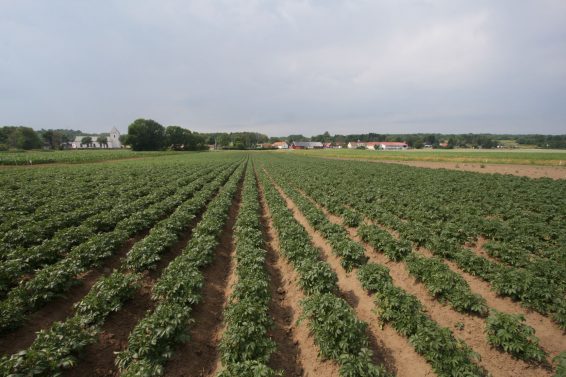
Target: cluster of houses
373,145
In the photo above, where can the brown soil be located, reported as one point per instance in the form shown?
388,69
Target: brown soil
61,308
98,359
390,349
292,295
496,362
551,337
199,356
477,247
531,171
286,357
554,172
473,332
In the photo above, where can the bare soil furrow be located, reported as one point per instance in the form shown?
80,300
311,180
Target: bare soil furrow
350,289
551,337
98,359
390,349
287,356
473,331
312,365
199,355
63,307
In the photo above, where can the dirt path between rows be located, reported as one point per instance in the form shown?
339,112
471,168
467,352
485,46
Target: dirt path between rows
472,331
390,349
98,359
308,359
63,307
286,357
350,289
552,338
199,355
494,361
531,171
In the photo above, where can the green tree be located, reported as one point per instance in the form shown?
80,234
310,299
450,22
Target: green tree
87,140
146,135
103,140
19,138
124,139
176,137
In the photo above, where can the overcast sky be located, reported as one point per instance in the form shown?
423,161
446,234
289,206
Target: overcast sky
282,67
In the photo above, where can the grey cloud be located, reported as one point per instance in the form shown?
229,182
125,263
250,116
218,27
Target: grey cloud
286,66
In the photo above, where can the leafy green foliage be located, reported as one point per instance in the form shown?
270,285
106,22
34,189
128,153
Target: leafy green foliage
153,339
374,277
445,284
335,326
507,332
245,346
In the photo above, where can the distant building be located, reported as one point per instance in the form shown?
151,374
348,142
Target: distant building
356,145
306,145
280,145
389,145
112,141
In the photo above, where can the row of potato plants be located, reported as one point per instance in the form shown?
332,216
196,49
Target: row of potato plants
43,196
339,335
525,214
58,277
32,196
440,281
351,254
245,347
55,349
20,262
146,253
70,204
459,358
178,289
447,355
447,285
537,286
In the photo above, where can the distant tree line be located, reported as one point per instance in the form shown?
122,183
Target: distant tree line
148,135
19,138
544,141
436,140
236,140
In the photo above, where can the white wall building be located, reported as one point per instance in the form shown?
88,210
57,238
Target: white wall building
112,141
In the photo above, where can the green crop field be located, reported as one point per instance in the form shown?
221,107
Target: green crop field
72,156
268,264
492,156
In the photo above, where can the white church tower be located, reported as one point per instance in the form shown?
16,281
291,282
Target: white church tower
114,138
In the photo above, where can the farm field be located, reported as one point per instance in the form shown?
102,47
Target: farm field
72,156
262,263
547,157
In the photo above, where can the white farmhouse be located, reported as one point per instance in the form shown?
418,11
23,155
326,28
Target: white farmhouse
280,145
388,145
112,141
355,145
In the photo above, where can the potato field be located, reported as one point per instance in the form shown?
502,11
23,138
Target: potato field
276,263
